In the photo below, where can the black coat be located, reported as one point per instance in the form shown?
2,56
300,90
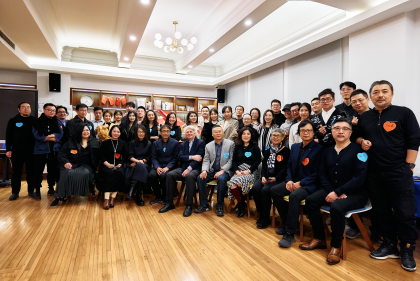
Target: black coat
19,135
71,128
206,134
70,153
280,165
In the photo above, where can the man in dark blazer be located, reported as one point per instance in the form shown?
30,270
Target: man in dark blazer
191,153
164,159
301,181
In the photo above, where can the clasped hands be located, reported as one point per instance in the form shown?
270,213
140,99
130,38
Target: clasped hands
332,196
290,185
242,173
264,181
162,170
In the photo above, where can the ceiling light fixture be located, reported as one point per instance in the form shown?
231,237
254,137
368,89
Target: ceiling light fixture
177,44
145,1
190,66
132,37
248,22
211,50
125,58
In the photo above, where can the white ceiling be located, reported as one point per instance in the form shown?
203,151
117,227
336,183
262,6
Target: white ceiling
41,28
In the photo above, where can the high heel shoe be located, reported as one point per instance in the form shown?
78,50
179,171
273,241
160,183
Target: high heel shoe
132,187
241,209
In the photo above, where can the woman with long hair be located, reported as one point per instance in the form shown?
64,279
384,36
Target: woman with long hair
110,178
304,113
102,131
129,128
192,120
139,153
268,125
228,124
152,125
245,161
255,117
78,159
172,120
206,134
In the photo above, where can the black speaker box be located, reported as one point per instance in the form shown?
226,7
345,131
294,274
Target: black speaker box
221,95
55,82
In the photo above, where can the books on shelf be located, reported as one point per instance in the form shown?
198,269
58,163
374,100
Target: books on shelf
190,108
141,102
148,105
157,104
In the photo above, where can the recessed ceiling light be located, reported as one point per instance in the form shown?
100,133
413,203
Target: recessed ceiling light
125,58
132,37
248,22
190,66
145,1
211,50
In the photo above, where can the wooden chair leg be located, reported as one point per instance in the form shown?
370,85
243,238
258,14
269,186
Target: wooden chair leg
180,194
125,196
363,231
230,205
327,230
212,188
99,196
301,224
90,196
344,247
196,199
273,217
247,202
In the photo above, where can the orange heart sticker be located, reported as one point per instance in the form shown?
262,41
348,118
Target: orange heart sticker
305,161
198,132
61,127
117,155
279,158
388,126
73,151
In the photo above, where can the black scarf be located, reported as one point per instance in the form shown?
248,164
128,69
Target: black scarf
42,124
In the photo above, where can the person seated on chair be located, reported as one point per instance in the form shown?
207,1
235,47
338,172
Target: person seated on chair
342,172
190,155
217,162
274,168
110,178
301,181
139,153
78,160
245,161
164,158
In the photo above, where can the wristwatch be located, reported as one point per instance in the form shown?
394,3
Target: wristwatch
411,165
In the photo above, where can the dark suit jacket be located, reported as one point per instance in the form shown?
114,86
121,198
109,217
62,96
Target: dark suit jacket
308,173
167,158
198,148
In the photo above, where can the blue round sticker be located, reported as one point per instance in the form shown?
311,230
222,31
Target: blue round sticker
226,155
267,147
150,130
164,149
90,127
362,156
19,124
248,154
172,133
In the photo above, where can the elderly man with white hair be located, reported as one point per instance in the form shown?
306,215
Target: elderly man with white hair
190,155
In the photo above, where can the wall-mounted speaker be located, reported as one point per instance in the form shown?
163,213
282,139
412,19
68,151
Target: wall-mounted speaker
55,82
221,95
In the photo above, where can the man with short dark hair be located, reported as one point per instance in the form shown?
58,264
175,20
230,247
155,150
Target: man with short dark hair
316,107
98,112
141,113
390,135
62,115
326,118
289,119
205,116
294,109
342,172
81,110
47,133
346,88
239,111
20,148
128,107
360,101
276,108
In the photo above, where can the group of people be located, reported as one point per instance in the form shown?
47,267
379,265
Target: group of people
336,156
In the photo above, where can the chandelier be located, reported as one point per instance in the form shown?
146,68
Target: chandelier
172,45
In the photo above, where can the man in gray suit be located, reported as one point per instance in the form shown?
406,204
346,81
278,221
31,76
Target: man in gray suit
216,165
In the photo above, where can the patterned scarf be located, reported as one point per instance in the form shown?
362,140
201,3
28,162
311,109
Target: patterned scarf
272,158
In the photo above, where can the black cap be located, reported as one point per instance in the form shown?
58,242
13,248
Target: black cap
287,106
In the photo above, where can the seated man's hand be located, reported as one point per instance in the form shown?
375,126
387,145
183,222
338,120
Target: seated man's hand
185,173
342,196
289,186
197,158
203,175
331,197
217,175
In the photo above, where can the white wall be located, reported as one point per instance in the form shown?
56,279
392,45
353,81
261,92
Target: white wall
44,95
18,77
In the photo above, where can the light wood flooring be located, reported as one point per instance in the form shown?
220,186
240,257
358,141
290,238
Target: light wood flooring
81,241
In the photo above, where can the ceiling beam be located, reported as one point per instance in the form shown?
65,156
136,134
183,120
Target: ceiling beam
139,17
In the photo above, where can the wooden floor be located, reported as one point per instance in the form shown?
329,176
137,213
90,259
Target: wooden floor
81,241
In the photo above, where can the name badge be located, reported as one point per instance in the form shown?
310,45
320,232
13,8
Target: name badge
248,154
362,156
150,130
389,126
172,133
226,155
19,124
267,147
164,149
90,127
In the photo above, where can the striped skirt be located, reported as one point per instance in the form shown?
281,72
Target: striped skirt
74,182
245,181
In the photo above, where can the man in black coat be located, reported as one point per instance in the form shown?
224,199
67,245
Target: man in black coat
20,148
72,124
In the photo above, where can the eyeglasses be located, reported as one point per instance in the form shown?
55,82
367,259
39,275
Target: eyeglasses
345,89
295,110
61,112
345,129
326,100
303,131
165,131
50,110
357,101
276,136
275,105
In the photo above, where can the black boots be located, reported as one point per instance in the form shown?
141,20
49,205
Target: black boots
241,208
132,187
139,199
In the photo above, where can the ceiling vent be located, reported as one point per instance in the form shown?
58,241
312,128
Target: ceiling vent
8,41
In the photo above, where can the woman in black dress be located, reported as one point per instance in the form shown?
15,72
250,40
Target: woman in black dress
139,152
245,161
152,126
129,128
206,135
111,175
171,120
78,159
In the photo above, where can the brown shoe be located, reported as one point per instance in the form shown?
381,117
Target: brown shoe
314,244
111,202
334,256
106,204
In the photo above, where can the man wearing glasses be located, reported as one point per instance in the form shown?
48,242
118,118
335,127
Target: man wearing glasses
276,108
47,133
360,102
294,109
301,181
342,172
325,120
346,89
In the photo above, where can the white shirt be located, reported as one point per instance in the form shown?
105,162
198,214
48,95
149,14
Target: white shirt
327,114
293,138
